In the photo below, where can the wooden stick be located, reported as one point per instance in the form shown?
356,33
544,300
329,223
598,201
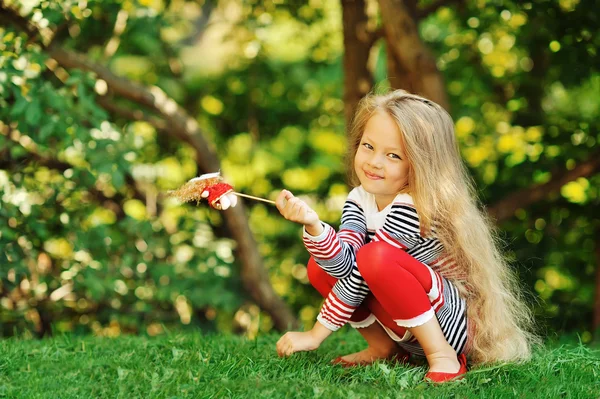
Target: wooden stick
254,198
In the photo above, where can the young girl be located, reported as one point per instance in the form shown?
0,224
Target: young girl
414,266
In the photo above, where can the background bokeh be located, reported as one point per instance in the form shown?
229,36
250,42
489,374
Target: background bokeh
107,105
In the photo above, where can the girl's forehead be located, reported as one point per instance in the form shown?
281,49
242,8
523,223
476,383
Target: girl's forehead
382,127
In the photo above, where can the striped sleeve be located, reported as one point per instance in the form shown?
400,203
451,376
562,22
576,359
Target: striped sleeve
336,253
401,228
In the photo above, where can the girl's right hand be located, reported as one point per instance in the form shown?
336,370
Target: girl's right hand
295,210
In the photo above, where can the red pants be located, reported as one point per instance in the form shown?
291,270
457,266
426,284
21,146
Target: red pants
399,286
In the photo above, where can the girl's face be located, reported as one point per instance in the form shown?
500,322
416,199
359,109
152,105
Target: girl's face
380,161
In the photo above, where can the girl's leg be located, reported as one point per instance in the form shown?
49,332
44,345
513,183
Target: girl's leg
324,283
380,345
401,285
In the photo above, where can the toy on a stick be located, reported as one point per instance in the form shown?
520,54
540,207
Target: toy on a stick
210,186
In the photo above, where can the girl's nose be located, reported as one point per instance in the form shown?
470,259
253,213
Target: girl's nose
376,161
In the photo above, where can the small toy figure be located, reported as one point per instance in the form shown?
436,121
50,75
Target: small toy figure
210,186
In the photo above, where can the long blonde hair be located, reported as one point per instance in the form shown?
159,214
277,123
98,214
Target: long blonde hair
444,194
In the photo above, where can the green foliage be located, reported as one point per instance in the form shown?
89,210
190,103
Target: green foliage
206,366
90,243
80,248
522,93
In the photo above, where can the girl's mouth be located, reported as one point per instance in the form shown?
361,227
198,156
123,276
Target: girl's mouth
372,176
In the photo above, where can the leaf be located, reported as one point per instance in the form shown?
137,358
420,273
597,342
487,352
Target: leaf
34,113
103,167
19,108
46,131
118,179
40,229
96,288
74,79
17,152
55,100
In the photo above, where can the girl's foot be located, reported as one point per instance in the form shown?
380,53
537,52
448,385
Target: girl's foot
443,362
371,355
380,347
440,377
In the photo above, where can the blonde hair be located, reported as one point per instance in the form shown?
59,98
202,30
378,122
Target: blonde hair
444,194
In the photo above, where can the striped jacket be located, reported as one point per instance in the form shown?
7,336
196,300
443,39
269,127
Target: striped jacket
362,222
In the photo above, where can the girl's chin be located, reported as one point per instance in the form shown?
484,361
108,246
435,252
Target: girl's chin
367,180
372,185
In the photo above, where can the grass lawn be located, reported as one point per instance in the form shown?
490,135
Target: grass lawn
216,366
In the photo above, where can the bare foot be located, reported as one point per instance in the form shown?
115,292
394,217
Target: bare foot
444,362
371,355
380,347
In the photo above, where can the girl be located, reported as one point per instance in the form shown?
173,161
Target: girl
414,266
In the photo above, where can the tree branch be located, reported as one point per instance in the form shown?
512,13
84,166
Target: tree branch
153,98
506,207
130,114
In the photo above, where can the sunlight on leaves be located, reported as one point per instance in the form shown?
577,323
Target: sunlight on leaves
576,191
135,209
212,105
59,247
101,216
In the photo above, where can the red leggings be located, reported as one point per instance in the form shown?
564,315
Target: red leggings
399,285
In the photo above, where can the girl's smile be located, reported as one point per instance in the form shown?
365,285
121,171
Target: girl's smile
373,176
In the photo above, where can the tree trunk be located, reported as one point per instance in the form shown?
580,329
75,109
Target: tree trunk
254,275
411,66
357,45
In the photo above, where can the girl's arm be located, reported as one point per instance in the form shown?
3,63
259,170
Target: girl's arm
335,253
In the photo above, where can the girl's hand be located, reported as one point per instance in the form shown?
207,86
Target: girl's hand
295,210
292,342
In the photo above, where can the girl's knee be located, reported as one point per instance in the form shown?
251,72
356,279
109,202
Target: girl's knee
371,258
375,258
380,260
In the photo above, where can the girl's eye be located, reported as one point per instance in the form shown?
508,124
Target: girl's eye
368,146
394,156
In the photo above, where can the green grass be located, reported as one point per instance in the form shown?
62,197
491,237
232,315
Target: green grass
215,366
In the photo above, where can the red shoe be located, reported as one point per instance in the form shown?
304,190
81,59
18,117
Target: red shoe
398,358
439,377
